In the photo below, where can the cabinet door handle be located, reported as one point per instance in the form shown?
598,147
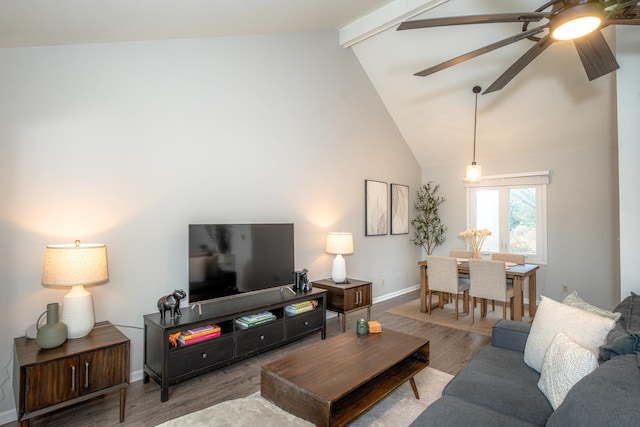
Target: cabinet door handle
261,337
204,355
306,323
73,378
86,374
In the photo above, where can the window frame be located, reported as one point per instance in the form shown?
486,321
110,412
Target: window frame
504,183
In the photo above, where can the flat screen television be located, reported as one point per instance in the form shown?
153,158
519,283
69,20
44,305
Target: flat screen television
230,259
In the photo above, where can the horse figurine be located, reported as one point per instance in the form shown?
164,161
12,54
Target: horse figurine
172,303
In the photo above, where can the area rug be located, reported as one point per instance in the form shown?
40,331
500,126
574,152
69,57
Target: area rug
445,317
399,409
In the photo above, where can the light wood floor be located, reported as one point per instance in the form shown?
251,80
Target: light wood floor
450,349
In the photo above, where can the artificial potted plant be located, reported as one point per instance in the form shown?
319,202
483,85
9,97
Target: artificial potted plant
429,231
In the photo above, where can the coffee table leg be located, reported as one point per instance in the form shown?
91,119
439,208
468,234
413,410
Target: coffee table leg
414,387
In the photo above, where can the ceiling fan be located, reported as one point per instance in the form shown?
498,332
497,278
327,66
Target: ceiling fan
585,17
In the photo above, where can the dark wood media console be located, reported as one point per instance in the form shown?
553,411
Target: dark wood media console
169,365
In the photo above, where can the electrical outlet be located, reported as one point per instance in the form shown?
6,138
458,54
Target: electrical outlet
382,282
565,289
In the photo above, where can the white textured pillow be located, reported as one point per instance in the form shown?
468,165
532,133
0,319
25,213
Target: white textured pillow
565,363
587,329
575,301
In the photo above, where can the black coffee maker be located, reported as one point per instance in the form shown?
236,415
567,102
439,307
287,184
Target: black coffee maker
300,281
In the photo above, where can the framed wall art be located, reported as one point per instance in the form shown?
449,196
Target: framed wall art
376,208
399,209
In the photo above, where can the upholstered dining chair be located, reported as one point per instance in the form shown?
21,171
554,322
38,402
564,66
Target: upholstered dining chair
517,258
488,281
506,257
460,254
443,277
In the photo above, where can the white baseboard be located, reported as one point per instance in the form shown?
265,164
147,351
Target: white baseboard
396,294
8,416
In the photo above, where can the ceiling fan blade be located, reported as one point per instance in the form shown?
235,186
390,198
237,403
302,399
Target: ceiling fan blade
595,54
623,21
481,51
520,64
474,19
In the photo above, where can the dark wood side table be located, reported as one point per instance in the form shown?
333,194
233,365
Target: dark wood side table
344,298
78,370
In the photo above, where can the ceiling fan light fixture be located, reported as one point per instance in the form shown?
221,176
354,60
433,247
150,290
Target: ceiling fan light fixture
577,21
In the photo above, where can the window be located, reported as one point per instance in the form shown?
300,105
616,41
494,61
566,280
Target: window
514,208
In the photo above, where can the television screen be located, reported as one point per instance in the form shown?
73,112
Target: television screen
229,259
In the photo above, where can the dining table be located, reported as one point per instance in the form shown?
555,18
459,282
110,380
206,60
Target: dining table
518,273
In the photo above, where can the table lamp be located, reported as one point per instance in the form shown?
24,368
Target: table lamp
339,243
76,265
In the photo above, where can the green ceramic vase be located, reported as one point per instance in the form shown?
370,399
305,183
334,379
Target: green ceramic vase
53,333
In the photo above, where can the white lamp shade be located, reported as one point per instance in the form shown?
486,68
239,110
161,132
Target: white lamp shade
76,265
339,243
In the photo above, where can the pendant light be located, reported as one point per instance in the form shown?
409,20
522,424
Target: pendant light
473,172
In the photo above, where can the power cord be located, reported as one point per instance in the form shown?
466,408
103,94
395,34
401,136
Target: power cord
6,368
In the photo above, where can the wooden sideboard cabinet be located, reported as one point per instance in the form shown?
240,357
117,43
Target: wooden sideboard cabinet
344,298
78,370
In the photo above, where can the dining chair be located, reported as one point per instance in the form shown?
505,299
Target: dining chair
488,281
443,277
507,257
460,254
517,258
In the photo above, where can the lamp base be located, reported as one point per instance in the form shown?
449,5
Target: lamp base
339,270
77,312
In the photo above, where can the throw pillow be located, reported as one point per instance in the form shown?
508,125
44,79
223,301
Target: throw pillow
575,301
565,363
587,329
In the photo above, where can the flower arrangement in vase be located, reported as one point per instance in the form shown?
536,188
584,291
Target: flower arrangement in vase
474,239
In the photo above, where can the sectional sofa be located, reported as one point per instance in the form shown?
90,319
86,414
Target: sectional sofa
513,383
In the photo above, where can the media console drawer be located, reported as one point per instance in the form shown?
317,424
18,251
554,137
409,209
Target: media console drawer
191,358
259,337
300,324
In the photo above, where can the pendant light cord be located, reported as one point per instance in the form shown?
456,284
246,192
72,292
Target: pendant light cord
476,90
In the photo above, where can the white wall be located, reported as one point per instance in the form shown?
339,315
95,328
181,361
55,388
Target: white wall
127,143
628,156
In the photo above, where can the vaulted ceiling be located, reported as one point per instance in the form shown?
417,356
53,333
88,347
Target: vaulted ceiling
435,114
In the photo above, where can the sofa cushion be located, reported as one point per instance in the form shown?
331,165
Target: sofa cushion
510,334
453,411
629,309
624,338
574,300
565,363
498,378
608,396
587,329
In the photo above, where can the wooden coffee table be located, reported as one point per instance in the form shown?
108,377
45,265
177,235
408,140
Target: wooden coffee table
334,381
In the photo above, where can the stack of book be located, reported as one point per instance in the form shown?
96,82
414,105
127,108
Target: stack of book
200,334
375,327
252,320
299,307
